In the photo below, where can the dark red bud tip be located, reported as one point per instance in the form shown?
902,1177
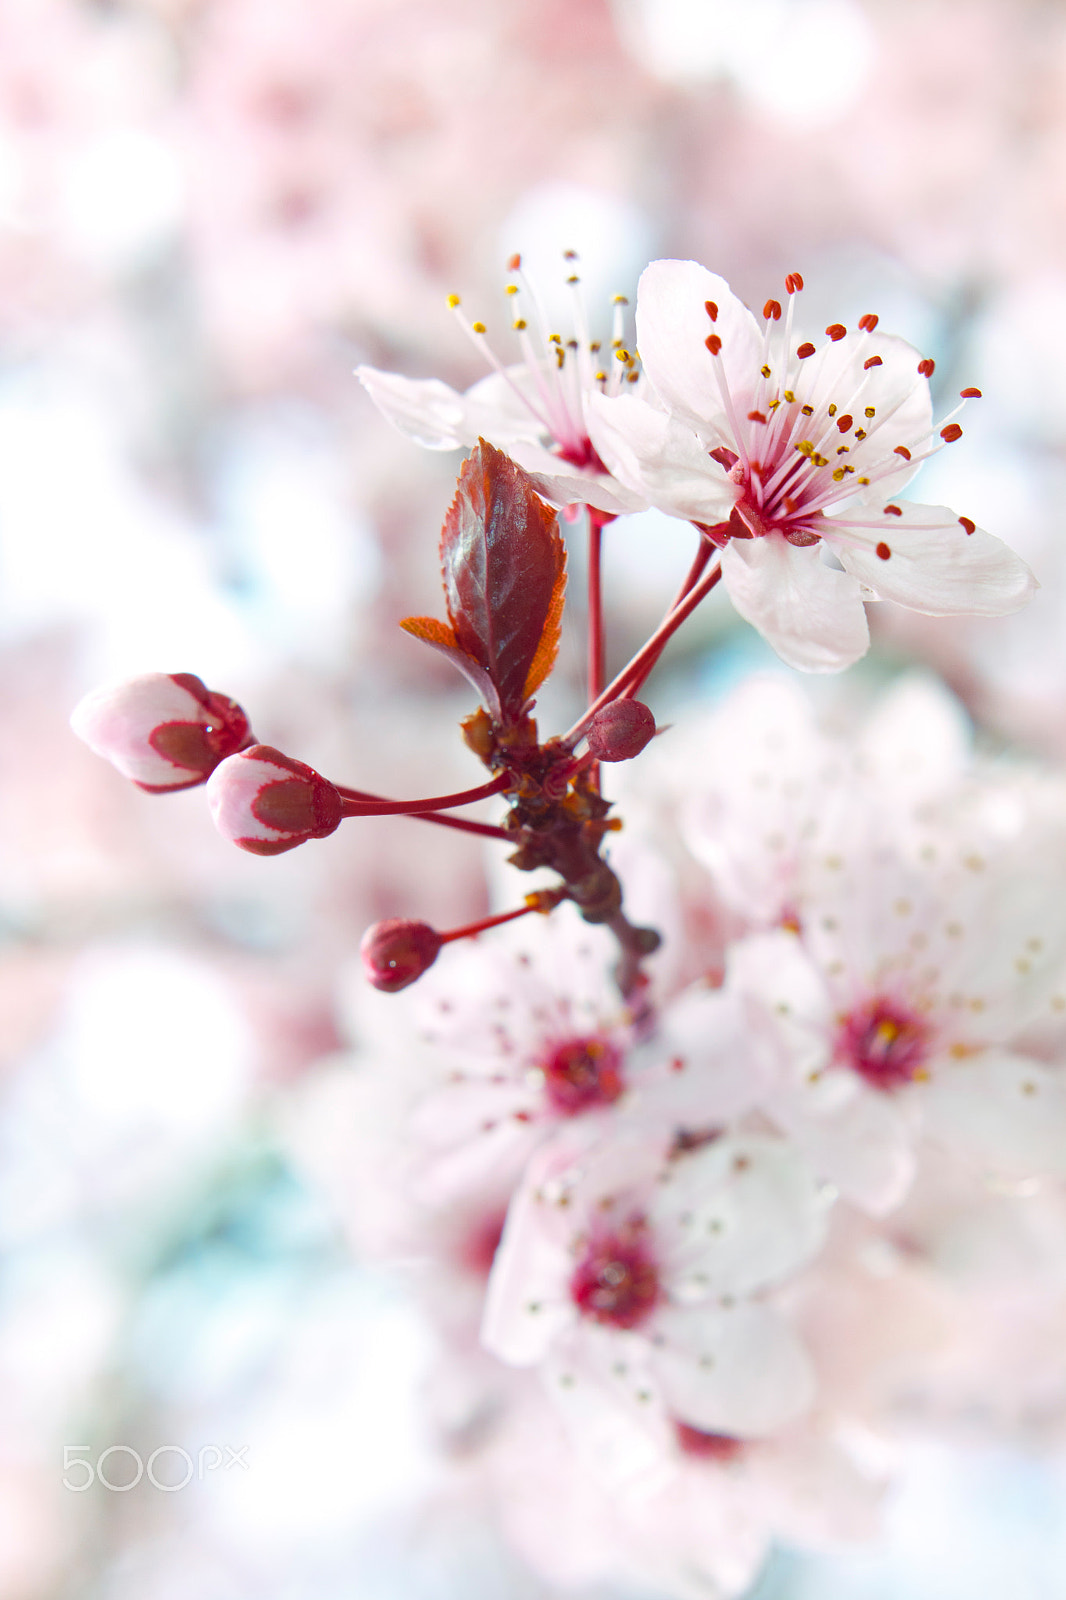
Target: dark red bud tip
397,952
620,731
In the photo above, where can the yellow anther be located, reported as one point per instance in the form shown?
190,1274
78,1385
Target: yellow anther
843,449
632,377
765,371
601,377
888,1031
820,461
805,447
862,480
519,324
833,410
553,338
478,327
512,288
860,433
622,355
619,300
838,475
453,301
789,396
594,347
870,411
573,278
808,411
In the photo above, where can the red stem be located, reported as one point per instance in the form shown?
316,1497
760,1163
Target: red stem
488,829
472,928
356,804
635,672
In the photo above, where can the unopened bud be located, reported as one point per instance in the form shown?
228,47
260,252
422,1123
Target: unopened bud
620,731
162,730
266,802
398,951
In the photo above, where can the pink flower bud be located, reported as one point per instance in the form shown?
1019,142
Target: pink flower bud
620,731
397,951
266,802
162,730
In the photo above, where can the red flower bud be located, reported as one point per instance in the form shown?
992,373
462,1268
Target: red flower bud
266,802
162,730
620,731
398,951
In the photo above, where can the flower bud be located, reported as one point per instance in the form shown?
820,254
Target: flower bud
162,730
398,951
620,731
266,802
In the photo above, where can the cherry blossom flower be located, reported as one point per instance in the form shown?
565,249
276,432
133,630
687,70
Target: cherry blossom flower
902,1010
162,730
536,409
627,1270
785,452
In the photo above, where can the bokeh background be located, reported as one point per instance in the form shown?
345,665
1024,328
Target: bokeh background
211,211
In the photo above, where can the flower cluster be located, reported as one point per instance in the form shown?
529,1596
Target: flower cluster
641,1184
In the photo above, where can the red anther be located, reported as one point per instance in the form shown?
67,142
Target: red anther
711,310
713,343
514,263
869,322
756,416
884,551
793,281
620,731
971,527
836,330
845,422
951,433
790,505
804,351
901,450
874,361
970,394
569,255
893,511
927,367
772,308
397,952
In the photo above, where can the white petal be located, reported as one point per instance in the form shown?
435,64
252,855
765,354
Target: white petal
425,409
660,457
735,1216
935,566
737,1370
812,615
1005,1111
118,719
527,1306
672,327
863,1147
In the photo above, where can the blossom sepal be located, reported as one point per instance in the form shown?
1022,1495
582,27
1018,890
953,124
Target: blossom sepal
162,730
267,803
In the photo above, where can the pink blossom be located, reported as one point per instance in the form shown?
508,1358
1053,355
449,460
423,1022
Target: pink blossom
162,730
266,802
786,451
627,1270
537,409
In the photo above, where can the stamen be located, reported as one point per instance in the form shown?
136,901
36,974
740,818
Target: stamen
927,367
804,351
868,322
874,361
893,511
711,310
901,450
772,309
951,433
793,282
713,343
836,330
884,551
970,394
971,527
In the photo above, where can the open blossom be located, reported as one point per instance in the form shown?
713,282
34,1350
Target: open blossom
786,451
161,730
627,1272
901,1009
536,409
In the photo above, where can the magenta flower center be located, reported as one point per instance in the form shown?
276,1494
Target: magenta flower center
884,1043
707,1446
582,1073
617,1281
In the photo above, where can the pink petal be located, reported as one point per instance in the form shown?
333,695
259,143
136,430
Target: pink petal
672,327
812,615
737,1370
934,565
425,409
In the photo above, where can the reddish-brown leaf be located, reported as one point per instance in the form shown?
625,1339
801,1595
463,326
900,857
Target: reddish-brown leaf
504,568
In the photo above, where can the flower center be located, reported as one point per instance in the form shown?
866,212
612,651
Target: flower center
617,1282
884,1043
583,1073
706,1446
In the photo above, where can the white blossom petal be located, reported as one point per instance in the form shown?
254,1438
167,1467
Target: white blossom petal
737,1369
672,327
425,409
661,457
934,564
812,615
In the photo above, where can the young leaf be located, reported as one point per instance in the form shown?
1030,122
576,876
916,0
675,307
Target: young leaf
504,569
